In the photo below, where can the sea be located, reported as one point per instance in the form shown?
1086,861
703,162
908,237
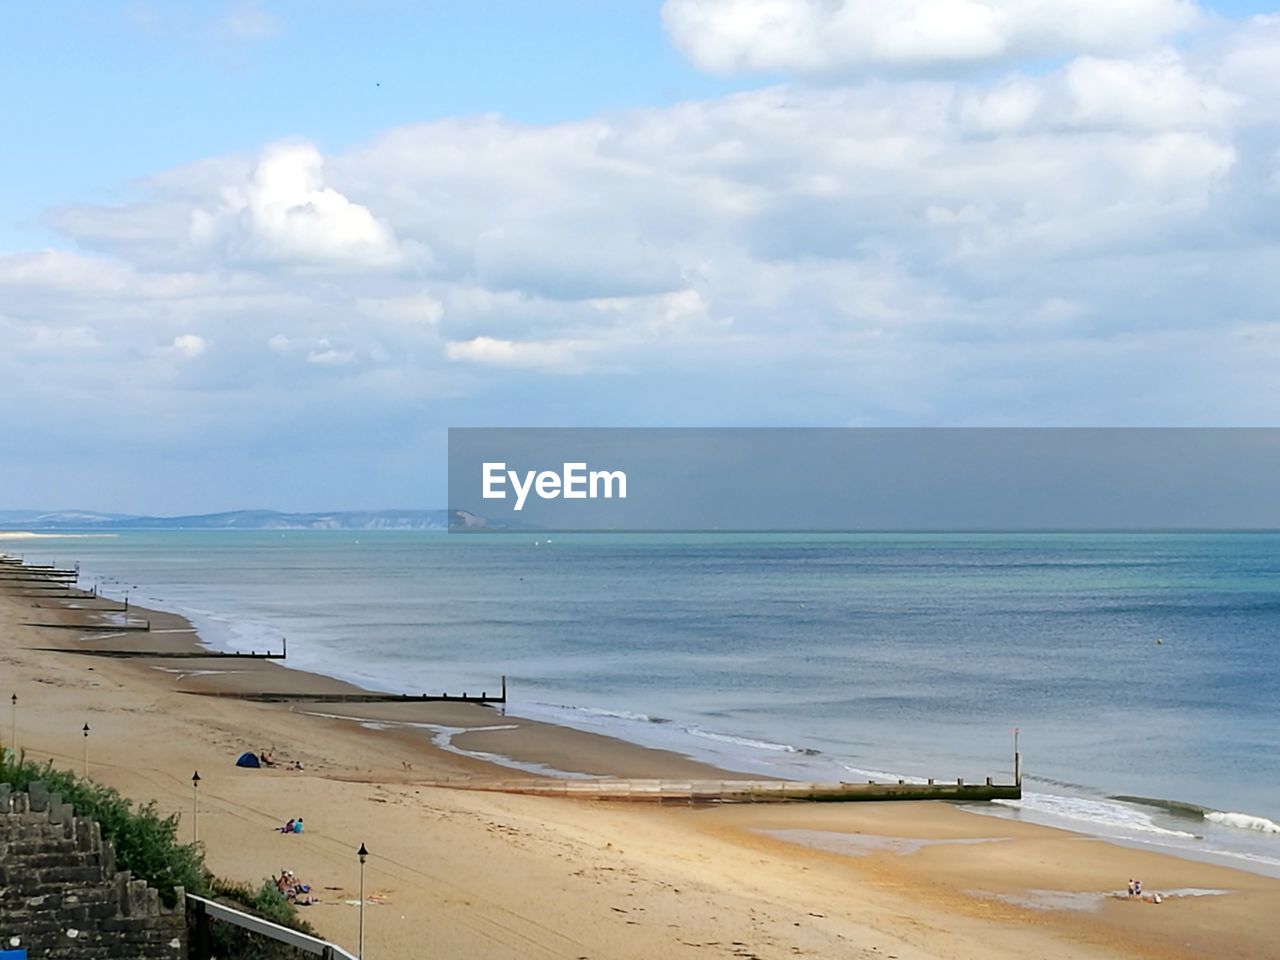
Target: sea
1126,665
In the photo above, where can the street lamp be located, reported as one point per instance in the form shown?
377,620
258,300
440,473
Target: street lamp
86,751
362,853
13,719
195,807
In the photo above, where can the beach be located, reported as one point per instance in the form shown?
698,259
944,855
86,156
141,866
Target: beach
486,874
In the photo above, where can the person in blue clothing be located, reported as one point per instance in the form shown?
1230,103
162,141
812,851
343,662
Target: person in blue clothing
297,825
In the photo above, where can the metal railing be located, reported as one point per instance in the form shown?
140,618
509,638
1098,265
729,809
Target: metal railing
206,911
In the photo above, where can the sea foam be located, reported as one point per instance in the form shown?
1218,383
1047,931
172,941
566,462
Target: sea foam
1243,821
1100,813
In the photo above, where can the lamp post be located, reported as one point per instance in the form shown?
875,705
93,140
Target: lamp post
195,807
13,720
362,853
86,751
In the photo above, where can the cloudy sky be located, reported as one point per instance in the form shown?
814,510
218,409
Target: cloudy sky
264,253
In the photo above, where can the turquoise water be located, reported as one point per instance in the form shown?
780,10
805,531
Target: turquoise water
1134,664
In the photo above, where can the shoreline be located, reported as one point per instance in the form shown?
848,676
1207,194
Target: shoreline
418,724
634,730
662,738
965,893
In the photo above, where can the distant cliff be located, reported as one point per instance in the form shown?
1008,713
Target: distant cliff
232,520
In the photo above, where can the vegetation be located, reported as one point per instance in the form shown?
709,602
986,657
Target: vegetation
146,844
266,902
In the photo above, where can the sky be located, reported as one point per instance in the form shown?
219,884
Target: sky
264,254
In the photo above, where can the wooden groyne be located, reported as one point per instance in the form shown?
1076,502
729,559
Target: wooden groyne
102,605
483,699
141,626
60,581
747,791
364,696
165,655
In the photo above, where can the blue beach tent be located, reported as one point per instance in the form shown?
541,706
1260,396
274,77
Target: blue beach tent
248,760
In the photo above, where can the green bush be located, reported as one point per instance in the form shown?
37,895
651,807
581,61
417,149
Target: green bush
146,843
266,902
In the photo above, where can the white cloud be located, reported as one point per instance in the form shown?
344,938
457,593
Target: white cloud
920,250
326,355
61,270
285,213
1157,92
413,310
832,35
1248,64
39,338
560,356
188,345
1153,92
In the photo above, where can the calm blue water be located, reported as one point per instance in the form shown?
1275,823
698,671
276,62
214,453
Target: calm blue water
839,657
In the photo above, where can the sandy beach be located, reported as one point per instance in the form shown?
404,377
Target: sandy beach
454,871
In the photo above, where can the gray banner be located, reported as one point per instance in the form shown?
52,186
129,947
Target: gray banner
838,480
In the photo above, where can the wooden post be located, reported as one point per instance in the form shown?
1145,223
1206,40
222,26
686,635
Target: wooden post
204,936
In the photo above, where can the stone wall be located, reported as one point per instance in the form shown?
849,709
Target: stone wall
61,896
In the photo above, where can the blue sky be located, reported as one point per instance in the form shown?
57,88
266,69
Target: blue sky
143,87
265,253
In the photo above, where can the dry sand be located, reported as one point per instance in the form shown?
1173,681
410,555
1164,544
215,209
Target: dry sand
489,875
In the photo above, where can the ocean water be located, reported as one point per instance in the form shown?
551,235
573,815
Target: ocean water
1132,664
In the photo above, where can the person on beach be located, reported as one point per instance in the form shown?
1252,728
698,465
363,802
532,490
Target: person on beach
1131,886
294,890
1137,888
297,825
291,826
266,759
